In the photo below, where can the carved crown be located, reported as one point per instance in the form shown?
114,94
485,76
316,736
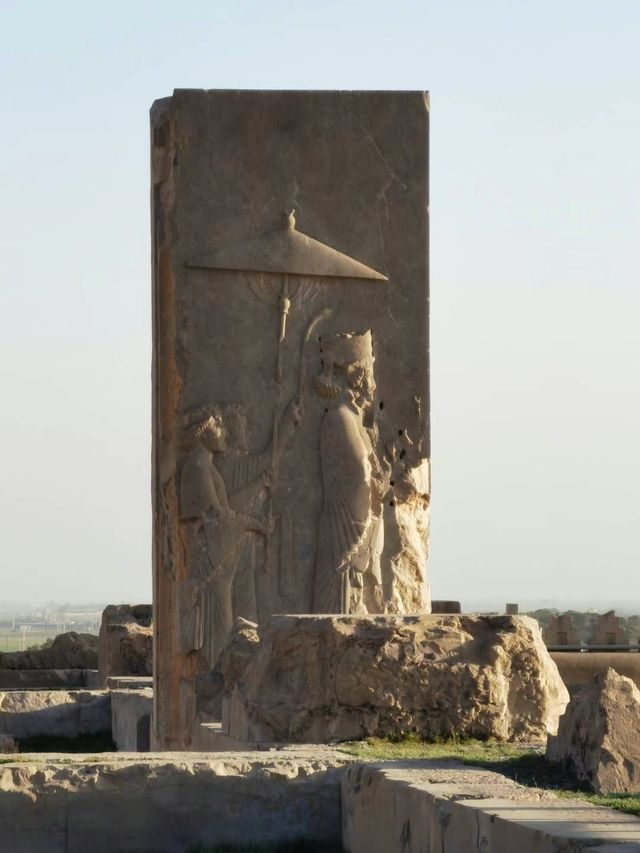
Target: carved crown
347,348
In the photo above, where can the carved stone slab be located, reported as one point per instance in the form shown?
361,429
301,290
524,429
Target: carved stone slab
290,368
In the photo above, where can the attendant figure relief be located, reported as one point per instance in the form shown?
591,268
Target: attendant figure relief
221,522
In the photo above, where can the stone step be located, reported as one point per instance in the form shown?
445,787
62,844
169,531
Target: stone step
448,808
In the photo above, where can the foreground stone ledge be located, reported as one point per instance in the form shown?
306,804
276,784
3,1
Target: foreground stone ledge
167,803
443,807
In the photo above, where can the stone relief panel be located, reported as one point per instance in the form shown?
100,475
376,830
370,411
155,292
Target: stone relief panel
230,503
290,372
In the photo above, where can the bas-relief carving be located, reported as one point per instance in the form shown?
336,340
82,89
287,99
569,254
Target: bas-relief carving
362,474
224,491
224,268
351,534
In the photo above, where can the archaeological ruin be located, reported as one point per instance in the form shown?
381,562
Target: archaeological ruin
274,695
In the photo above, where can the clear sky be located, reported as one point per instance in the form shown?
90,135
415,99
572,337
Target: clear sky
535,274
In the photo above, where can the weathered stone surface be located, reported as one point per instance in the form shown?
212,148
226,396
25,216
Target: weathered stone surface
329,678
7,744
129,682
131,719
578,668
168,804
598,737
54,713
126,641
429,806
446,606
291,396
68,651
236,655
172,804
48,679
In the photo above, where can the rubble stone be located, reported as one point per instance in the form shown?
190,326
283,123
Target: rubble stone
126,641
68,651
598,738
319,679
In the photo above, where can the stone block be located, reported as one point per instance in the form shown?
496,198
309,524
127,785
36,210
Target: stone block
291,461
130,718
129,682
446,807
236,655
446,606
126,641
318,679
598,738
54,713
168,804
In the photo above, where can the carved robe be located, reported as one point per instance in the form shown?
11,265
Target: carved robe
350,530
241,472
214,536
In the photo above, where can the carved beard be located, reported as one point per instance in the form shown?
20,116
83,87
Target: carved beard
363,391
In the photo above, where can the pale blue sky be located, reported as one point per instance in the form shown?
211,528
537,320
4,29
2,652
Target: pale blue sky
535,274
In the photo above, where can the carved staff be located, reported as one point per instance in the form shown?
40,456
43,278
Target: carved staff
287,557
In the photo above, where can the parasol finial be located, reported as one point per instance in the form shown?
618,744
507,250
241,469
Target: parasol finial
290,221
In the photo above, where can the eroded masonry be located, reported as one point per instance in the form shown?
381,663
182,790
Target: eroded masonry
291,384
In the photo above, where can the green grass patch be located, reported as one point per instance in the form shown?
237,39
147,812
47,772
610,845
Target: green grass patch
628,803
413,747
524,765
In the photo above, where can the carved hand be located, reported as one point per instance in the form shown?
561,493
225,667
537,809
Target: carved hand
267,525
294,412
268,478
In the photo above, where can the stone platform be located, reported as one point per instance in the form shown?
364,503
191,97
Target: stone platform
434,807
169,803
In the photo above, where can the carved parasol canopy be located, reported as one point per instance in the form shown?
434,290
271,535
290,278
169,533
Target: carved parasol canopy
287,252
271,262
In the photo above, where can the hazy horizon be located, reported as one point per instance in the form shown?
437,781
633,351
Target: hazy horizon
535,129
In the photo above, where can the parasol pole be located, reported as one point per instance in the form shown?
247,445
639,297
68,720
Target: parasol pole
284,303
